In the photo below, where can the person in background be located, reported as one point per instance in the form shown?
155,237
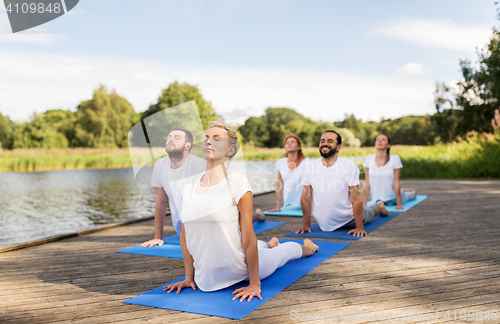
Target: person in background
331,194
177,165
382,172
290,169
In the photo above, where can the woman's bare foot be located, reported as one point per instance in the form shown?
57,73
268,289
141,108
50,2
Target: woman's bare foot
274,242
309,248
383,210
259,215
414,192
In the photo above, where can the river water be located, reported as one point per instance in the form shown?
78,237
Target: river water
35,205
40,204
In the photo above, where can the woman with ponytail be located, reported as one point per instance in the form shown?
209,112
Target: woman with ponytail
382,171
290,168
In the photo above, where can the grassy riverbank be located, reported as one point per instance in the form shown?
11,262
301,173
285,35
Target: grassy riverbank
474,159
27,160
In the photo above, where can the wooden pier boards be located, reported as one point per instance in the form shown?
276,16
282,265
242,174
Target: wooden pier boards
441,255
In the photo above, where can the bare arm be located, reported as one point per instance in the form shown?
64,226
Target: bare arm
306,204
397,188
249,243
366,190
188,266
161,210
357,207
279,194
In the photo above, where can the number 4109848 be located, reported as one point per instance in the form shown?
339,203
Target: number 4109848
34,8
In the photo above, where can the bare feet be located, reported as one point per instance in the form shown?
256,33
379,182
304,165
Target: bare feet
274,242
383,210
309,248
414,192
259,215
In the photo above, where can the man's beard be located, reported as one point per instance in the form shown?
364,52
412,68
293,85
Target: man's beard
328,154
175,152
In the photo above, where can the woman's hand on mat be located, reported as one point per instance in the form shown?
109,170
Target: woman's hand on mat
152,242
179,286
250,292
302,230
357,232
275,210
400,207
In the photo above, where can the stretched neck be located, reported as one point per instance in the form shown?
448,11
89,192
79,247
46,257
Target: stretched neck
381,154
214,172
177,160
292,156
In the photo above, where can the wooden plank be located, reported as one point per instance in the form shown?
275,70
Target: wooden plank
442,253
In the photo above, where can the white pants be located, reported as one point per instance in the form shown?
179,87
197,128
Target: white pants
272,259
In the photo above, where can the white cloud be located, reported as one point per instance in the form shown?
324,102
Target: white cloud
412,69
239,115
40,81
32,36
441,33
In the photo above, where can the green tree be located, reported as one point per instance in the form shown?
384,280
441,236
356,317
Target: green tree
277,121
103,121
6,131
471,107
409,130
176,94
38,133
304,129
255,131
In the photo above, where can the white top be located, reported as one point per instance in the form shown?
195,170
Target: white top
381,178
292,181
331,206
213,237
165,177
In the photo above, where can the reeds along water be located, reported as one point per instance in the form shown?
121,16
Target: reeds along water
26,160
477,158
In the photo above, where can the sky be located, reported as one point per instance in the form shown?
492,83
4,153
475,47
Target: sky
325,59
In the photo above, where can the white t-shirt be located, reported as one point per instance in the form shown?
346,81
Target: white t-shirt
213,238
292,181
331,206
381,177
165,177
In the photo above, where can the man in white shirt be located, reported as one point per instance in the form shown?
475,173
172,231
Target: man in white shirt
179,164
330,191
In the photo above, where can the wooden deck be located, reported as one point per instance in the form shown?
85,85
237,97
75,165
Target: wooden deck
443,254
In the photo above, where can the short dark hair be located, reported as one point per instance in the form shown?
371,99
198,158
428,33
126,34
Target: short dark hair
339,138
189,135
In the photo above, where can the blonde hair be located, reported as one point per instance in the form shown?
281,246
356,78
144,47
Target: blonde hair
231,133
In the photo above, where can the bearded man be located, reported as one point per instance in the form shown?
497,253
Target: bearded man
330,191
179,164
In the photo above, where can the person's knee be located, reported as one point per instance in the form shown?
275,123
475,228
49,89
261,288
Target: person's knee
369,214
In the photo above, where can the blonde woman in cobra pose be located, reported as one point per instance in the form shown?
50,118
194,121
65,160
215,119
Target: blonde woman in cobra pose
382,171
290,168
217,238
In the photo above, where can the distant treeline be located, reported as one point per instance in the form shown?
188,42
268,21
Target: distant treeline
101,122
105,120
270,130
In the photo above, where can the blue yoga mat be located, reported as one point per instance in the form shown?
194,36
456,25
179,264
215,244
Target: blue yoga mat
220,303
287,211
342,233
172,249
407,205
